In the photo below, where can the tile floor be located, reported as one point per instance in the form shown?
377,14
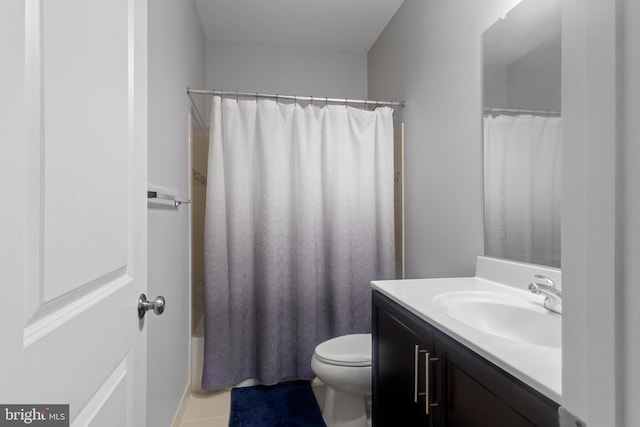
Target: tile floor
212,410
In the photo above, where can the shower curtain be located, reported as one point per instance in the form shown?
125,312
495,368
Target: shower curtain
299,219
522,187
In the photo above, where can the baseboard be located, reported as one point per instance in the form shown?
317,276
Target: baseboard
177,418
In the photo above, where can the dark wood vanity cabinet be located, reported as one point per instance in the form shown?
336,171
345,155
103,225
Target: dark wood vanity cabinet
480,394
443,384
402,349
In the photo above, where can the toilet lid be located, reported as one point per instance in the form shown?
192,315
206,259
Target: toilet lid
347,350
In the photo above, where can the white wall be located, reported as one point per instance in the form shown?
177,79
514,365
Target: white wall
629,189
534,80
494,91
628,183
285,70
601,212
176,59
429,56
530,81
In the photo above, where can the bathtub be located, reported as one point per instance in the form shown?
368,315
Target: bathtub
197,359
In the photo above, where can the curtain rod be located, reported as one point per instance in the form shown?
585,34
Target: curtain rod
296,98
520,111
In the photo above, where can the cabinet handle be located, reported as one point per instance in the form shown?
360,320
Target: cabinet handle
427,359
416,351
427,398
428,403
426,382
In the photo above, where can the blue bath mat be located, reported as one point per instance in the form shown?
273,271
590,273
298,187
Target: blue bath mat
287,404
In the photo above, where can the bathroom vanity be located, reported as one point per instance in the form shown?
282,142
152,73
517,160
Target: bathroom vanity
435,366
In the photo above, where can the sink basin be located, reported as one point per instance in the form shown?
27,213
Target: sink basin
505,316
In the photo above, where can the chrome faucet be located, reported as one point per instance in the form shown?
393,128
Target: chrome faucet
553,297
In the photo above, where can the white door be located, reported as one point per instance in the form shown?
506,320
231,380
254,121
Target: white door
73,215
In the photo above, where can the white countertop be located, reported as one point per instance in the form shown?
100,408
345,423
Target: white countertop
538,366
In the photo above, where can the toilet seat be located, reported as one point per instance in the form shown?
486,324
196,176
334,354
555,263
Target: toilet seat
346,350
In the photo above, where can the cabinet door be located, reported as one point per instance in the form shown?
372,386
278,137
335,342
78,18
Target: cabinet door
400,351
479,394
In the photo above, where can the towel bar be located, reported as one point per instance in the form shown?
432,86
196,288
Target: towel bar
158,195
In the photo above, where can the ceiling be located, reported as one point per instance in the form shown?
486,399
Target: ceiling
338,25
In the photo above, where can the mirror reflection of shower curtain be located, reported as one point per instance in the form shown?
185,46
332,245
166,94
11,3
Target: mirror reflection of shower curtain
522,176
299,219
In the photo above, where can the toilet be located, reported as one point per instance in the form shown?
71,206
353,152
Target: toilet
343,364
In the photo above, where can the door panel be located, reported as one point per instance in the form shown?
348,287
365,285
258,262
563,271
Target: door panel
470,404
74,256
83,143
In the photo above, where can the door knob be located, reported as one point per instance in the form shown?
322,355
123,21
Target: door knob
156,305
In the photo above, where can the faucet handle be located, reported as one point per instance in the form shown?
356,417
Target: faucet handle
546,279
553,297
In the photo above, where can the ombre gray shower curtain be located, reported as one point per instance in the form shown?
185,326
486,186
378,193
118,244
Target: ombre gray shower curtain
299,219
522,181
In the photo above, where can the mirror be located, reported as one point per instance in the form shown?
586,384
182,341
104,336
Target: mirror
522,134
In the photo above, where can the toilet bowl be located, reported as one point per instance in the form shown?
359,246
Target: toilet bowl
343,364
